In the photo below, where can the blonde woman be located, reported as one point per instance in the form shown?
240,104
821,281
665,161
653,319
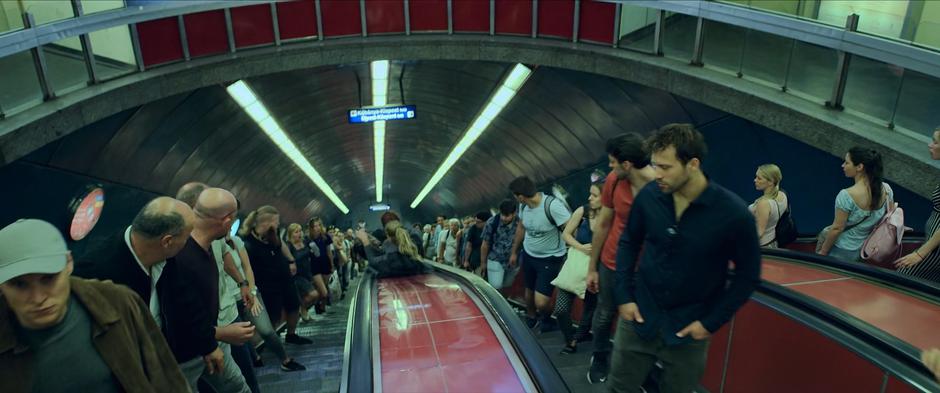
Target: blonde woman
271,268
768,208
405,260
321,260
303,280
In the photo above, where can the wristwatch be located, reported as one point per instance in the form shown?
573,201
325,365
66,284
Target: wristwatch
243,284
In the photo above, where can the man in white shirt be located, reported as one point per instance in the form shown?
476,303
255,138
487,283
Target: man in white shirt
137,255
542,218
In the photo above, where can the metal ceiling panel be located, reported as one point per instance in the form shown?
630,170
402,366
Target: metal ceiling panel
556,125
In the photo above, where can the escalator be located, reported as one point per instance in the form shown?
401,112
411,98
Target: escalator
447,331
813,325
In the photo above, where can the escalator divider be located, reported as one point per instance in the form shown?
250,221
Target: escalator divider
359,373
886,351
927,289
539,366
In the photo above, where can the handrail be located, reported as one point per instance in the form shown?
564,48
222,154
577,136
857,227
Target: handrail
925,288
885,50
888,352
537,363
357,355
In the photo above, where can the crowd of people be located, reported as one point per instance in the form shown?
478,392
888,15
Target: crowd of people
175,298
172,301
656,197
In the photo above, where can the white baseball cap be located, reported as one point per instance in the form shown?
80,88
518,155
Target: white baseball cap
30,246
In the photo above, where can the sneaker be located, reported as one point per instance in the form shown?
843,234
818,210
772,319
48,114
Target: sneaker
295,339
291,365
599,368
258,362
569,349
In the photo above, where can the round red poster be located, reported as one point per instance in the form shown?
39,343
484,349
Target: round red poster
87,214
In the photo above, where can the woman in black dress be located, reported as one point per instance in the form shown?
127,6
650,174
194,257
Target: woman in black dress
273,270
321,260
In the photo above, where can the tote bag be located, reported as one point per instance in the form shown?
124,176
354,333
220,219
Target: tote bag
573,274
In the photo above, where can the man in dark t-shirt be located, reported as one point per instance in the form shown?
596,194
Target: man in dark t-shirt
474,242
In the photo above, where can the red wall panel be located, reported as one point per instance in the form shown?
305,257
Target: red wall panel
514,17
205,33
556,18
596,21
428,15
252,25
471,15
160,41
769,350
297,19
717,351
385,16
340,18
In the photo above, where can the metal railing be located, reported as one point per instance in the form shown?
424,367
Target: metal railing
885,82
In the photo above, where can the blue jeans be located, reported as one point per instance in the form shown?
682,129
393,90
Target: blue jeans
500,276
845,255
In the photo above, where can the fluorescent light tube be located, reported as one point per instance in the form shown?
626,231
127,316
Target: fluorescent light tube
379,70
246,98
500,98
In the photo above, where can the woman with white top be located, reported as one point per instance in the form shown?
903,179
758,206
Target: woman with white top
768,208
858,208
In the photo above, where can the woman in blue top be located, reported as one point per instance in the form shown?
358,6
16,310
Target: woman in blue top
858,208
578,234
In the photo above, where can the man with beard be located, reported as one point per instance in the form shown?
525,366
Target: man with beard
688,228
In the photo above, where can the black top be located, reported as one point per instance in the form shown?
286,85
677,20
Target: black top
475,237
189,295
683,274
321,262
270,266
113,260
302,258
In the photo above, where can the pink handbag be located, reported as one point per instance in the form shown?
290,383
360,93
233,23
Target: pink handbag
883,245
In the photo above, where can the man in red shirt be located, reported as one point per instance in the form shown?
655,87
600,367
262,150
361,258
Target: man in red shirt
629,161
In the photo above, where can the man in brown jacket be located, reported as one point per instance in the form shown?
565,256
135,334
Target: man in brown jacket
64,334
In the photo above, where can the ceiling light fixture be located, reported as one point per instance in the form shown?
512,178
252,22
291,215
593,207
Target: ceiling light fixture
246,98
379,99
506,91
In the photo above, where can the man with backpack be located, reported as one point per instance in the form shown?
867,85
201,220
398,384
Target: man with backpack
542,218
498,236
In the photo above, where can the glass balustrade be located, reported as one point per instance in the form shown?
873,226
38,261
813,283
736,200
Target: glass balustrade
880,92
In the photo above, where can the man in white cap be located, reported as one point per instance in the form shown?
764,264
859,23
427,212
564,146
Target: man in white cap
66,334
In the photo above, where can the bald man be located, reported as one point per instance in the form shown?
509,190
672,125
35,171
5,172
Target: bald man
191,293
189,192
137,256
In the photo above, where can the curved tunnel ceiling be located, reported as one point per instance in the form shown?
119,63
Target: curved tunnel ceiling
557,124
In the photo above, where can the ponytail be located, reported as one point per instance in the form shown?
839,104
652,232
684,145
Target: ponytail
401,237
773,174
874,169
252,220
249,224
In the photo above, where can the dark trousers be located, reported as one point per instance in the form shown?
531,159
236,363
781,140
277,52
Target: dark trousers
634,357
563,302
606,310
245,360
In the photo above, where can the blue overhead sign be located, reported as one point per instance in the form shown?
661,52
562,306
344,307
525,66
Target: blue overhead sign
368,115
